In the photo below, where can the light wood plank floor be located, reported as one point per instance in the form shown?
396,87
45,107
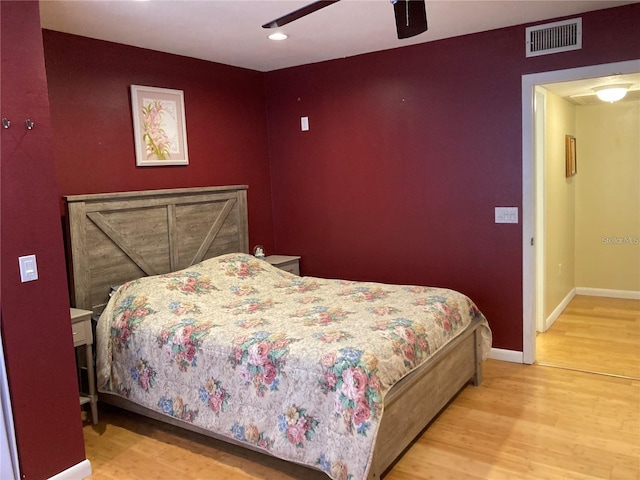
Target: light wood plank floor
594,334
523,422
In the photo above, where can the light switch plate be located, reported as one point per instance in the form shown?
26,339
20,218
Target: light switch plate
28,268
506,215
304,123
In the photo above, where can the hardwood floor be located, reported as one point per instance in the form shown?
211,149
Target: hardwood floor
522,422
594,334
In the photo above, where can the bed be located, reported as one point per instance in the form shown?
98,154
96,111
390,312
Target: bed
202,335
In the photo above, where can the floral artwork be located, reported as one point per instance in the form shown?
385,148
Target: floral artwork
154,114
295,366
159,126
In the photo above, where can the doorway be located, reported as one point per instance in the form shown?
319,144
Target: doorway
532,250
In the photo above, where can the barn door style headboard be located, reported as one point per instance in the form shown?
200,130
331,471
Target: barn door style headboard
118,237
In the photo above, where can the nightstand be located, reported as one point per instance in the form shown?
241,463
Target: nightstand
83,335
288,263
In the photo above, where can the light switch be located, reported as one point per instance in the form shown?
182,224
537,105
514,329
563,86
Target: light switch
28,268
304,123
506,215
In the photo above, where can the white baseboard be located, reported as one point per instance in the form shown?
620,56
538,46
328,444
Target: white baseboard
79,471
506,355
605,292
593,292
559,309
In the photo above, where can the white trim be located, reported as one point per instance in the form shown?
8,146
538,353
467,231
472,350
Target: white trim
605,292
10,466
78,471
528,221
540,122
559,309
506,355
528,194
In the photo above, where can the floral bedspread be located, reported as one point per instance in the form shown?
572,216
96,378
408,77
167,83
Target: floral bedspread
297,366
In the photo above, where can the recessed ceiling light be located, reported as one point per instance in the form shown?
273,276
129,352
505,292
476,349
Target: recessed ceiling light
278,36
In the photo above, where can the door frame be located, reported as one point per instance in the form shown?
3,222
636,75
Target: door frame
539,149
529,205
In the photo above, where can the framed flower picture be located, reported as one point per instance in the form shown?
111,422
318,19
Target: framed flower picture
159,126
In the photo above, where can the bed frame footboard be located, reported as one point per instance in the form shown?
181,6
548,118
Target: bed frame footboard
418,398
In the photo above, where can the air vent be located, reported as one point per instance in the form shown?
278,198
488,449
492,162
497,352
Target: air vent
554,37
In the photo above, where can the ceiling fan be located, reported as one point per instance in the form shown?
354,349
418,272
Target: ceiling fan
411,16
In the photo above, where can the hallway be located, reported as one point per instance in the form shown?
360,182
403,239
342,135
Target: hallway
594,334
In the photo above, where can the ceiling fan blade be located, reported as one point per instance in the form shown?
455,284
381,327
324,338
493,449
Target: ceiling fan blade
411,17
296,14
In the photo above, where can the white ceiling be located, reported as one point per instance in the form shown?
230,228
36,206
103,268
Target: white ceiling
230,32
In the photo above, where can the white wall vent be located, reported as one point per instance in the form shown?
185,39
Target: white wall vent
554,37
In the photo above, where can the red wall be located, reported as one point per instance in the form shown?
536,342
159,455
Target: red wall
409,151
89,84
36,328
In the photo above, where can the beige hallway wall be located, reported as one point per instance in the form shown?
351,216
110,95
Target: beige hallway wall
607,222
560,199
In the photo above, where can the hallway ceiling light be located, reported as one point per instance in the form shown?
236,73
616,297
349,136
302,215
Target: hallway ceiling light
612,93
278,36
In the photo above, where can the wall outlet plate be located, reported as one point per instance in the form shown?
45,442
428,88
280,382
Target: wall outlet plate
506,215
28,268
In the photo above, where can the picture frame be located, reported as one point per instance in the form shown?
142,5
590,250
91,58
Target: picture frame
570,156
159,126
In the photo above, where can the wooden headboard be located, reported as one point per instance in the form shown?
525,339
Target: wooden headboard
117,237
